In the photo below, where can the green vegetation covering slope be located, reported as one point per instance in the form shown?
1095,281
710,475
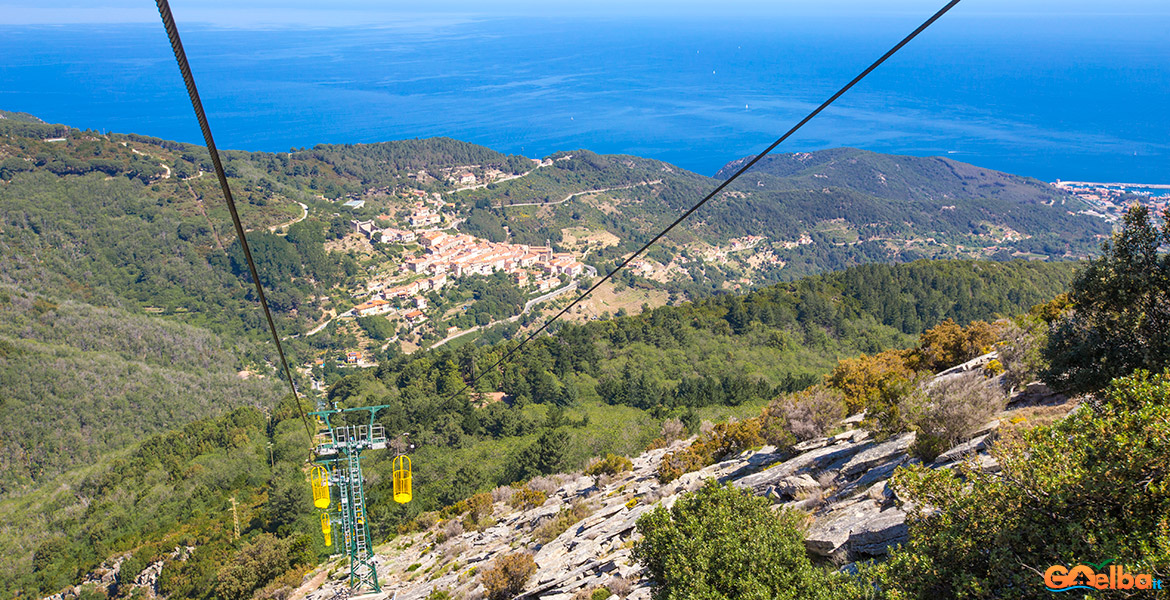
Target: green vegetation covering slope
79,381
140,222
815,211
387,163
172,491
19,116
134,220
93,218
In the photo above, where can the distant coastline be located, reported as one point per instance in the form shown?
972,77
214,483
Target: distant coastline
1110,200
634,87
1092,184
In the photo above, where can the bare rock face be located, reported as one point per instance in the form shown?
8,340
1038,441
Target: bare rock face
861,530
104,579
877,454
840,480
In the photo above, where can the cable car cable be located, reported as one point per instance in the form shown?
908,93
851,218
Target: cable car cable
718,189
164,10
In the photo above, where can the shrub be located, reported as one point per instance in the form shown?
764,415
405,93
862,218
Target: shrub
260,562
450,529
545,483
280,588
1052,310
946,344
887,416
526,497
949,411
655,444
558,524
597,593
600,594
867,380
620,586
450,512
437,594
672,429
479,506
425,521
807,414
724,543
675,464
724,439
508,575
1021,350
611,465
1064,493
503,493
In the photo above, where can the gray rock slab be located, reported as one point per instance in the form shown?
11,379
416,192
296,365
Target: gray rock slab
813,460
963,450
877,454
876,535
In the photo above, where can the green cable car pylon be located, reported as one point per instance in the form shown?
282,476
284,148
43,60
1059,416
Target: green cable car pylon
338,450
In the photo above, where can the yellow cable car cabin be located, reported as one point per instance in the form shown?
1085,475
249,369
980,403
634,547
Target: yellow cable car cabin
319,479
402,479
327,529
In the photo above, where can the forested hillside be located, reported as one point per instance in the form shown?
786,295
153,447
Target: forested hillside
590,389
387,163
79,381
814,212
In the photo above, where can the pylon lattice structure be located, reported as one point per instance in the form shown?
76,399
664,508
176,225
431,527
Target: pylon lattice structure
338,449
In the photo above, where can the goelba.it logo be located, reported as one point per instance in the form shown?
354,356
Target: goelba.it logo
1090,576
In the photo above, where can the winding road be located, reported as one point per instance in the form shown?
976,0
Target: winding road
575,194
304,213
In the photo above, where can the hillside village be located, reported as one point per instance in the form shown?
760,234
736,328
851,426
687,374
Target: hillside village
436,256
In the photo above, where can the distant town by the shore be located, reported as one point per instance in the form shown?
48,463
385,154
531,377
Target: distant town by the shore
1109,200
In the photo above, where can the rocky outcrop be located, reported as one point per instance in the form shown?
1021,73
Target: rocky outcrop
840,481
104,579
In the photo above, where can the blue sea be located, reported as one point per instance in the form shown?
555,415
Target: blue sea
1069,97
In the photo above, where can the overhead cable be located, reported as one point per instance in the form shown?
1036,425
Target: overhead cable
749,164
164,10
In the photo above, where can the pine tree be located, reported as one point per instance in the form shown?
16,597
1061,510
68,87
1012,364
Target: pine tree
1120,317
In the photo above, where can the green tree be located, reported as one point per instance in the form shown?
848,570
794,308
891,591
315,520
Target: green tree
288,500
546,455
260,562
1092,487
463,484
378,328
1120,318
724,543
